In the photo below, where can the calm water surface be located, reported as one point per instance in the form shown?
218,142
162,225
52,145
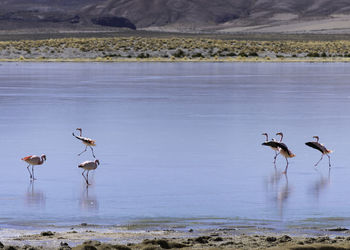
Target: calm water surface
178,143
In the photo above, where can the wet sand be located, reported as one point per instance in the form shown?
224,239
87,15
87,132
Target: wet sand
336,238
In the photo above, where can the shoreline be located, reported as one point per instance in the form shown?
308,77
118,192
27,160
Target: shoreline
162,60
220,238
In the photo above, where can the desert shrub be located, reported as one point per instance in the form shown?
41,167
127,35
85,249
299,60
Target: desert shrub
83,49
313,54
179,53
198,54
242,54
143,55
231,54
114,55
253,54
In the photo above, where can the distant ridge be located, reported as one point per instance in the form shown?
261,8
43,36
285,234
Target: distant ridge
295,16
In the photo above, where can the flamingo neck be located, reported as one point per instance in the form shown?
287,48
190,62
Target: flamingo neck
267,137
281,137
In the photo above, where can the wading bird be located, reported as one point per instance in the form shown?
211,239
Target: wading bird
272,145
33,160
320,147
87,166
87,141
284,150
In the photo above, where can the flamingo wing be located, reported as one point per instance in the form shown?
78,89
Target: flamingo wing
88,165
85,140
272,144
317,146
284,147
26,158
89,141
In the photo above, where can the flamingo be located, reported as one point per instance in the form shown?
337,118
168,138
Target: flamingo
87,141
87,166
320,147
33,160
272,146
284,150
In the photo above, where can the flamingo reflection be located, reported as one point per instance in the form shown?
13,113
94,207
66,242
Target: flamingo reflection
321,184
279,189
88,202
283,194
34,197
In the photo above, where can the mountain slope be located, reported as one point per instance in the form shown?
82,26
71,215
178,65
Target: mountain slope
205,15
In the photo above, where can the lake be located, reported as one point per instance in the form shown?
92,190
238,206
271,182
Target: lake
179,144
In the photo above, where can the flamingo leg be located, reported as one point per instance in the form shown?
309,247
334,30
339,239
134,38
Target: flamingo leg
274,158
319,160
92,150
329,161
29,171
285,170
84,175
87,175
83,151
33,172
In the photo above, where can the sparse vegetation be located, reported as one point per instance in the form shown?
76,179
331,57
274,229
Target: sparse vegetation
196,55
313,54
143,55
179,53
171,48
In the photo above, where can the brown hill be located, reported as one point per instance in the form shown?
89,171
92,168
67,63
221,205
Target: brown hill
182,15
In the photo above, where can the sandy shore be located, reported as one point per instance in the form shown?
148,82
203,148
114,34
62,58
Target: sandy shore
88,238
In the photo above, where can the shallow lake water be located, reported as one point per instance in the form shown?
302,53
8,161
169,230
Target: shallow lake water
179,144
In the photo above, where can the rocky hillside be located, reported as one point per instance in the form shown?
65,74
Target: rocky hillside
180,15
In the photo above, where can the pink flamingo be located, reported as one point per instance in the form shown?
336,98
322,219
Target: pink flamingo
87,141
87,166
33,160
